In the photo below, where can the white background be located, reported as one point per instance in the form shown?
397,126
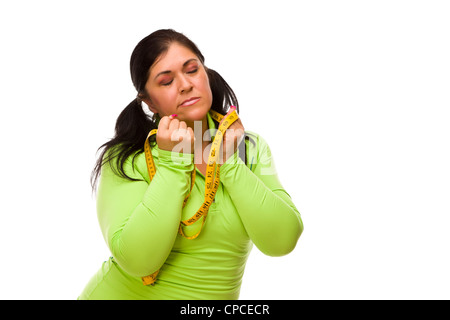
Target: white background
352,96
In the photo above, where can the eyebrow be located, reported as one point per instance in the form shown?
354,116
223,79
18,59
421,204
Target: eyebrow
168,71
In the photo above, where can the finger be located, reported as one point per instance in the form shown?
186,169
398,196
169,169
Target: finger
232,108
164,123
177,135
174,124
191,133
183,125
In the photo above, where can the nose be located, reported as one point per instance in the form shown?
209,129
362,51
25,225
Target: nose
185,84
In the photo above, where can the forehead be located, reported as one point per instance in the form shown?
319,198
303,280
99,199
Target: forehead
172,59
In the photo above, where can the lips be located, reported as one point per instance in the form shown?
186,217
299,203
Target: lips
189,102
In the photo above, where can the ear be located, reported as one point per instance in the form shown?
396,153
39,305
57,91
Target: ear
152,109
149,103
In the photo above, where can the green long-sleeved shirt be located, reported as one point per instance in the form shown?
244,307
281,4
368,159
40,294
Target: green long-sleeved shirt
139,221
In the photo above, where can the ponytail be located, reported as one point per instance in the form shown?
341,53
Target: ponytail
223,98
223,95
132,128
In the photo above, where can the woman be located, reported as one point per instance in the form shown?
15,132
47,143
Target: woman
140,215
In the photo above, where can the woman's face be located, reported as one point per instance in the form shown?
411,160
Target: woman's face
178,84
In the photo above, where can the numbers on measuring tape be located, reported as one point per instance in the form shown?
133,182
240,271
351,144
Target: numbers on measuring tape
212,178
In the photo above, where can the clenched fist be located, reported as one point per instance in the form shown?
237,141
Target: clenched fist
231,139
174,135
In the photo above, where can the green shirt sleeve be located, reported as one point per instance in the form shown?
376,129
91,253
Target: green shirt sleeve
270,218
139,221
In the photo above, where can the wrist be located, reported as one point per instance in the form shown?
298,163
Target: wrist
228,169
176,158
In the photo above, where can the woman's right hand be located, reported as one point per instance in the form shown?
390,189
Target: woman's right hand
174,135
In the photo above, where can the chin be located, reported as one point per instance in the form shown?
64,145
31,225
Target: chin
195,114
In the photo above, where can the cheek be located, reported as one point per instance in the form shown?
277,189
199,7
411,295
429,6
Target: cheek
163,101
205,87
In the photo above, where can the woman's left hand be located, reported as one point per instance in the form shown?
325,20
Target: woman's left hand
232,138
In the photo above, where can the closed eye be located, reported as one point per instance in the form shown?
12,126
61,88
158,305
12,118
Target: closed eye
167,83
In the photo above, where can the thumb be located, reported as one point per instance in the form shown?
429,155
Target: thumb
232,108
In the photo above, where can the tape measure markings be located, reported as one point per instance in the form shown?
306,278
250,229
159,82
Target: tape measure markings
212,178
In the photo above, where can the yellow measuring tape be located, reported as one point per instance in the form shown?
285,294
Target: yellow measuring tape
212,178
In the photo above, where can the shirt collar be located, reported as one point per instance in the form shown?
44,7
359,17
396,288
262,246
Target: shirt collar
211,125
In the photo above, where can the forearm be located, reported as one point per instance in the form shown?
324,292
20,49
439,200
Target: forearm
140,221
269,216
